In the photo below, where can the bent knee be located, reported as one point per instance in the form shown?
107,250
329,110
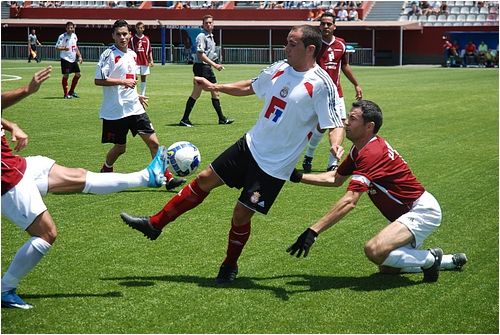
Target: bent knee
374,253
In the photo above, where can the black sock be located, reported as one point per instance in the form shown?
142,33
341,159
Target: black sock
189,107
218,109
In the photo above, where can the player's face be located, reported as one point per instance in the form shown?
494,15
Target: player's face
140,29
208,25
355,126
327,27
295,50
70,29
121,36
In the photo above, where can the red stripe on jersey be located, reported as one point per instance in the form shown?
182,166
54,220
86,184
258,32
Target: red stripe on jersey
13,167
117,59
277,74
309,88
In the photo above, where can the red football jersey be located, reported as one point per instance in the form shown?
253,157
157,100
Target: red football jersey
13,167
142,48
330,58
379,170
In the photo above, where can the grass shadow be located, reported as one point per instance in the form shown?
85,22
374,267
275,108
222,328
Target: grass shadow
112,294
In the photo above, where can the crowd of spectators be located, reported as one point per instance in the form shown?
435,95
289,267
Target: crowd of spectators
427,8
469,55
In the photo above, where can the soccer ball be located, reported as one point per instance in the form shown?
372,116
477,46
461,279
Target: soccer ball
183,158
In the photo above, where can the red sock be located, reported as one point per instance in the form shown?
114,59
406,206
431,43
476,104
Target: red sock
168,175
238,237
73,83
188,198
64,84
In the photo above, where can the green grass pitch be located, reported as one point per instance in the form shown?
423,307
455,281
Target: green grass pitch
102,277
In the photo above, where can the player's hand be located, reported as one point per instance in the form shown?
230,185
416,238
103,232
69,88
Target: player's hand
80,60
38,79
19,136
151,64
219,67
337,151
144,100
359,92
303,243
129,83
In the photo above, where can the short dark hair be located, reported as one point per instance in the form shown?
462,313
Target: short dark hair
208,16
371,113
120,23
310,36
140,23
328,14
69,23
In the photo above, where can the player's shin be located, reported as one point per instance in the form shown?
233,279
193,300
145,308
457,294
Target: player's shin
188,198
238,237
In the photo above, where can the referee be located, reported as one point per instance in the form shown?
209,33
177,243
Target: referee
206,59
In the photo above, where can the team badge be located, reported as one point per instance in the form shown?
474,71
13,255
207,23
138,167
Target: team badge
284,92
255,197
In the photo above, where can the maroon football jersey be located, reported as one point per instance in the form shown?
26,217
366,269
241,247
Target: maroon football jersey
13,167
330,58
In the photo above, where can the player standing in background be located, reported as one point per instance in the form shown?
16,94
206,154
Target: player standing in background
206,58
32,43
142,46
332,58
377,169
26,180
70,58
298,95
122,108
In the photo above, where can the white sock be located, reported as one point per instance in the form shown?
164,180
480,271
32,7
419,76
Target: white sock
404,257
332,160
446,264
26,258
104,183
313,142
143,88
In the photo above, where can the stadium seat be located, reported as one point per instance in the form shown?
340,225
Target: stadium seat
464,10
469,3
483,10
431,18
481,18
474,10
451,18
403,18
450,3
478,23
457,24
455,10
459,3
471,18
461,18
422,18
414,18
468,23
438,24
441,18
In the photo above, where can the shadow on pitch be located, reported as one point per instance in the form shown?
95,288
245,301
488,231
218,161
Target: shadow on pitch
112,294
283,287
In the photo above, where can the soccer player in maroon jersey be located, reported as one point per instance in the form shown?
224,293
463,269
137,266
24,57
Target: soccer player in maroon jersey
332,58
142,46
379,170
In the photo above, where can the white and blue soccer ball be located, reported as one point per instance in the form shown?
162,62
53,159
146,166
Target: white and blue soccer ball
183,158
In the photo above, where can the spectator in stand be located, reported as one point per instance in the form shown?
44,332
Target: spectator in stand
482,51
342,14
470,56
425,8
353,14
414,11
443,10
142,46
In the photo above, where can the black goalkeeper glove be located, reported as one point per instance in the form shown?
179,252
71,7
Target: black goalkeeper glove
303,243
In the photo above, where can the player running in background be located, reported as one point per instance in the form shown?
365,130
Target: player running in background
26,180
206,58
70,58
332,58
122,108
298,95
141,45
379,170
32,43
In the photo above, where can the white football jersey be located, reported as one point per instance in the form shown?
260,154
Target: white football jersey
118,101
68,41
295,102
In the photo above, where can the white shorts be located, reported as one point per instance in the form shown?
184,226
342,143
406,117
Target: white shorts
24,203
143,70
424,217
340,105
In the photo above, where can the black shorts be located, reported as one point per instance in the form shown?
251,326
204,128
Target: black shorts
68,67
205,71
238,169
115,131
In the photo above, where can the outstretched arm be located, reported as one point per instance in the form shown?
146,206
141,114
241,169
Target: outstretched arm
239,88
9,98
346,68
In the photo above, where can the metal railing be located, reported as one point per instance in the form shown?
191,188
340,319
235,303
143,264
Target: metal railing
230,55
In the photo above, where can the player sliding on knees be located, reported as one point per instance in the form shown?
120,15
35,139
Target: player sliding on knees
26,180
379,170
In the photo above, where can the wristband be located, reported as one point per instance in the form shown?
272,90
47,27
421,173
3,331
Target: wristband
296,176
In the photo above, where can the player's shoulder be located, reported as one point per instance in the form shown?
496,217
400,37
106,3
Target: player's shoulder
320,75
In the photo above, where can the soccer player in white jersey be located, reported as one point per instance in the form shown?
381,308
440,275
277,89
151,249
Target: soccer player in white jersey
70,58
26,180
122,108
378,169
298,95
